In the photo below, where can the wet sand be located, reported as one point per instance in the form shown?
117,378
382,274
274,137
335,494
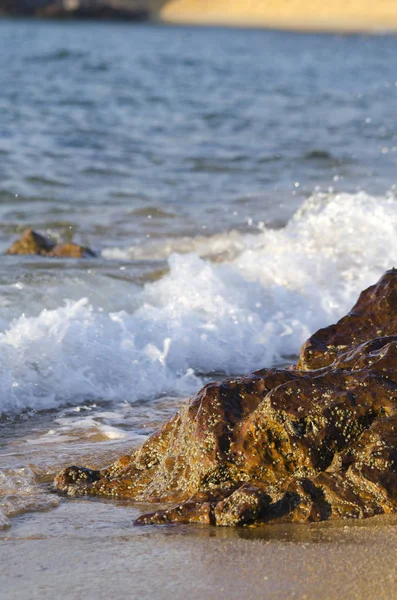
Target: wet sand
354,16
89,549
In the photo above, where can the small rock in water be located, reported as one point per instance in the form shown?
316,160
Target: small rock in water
75,479
312,442
32,242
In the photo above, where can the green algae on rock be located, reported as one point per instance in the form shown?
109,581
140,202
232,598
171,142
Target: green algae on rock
312,442
34,243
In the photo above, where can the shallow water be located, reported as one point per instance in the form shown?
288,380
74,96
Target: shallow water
239,188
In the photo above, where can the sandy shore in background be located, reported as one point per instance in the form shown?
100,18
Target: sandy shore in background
310,15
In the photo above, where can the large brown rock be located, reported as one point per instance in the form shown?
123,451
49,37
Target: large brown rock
315,441
374,315
32,242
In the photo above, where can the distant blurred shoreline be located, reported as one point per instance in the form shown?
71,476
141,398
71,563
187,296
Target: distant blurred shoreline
356,16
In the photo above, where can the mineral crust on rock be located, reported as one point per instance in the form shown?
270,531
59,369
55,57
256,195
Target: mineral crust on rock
32,242
315,441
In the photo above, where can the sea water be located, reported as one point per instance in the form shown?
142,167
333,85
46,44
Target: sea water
239,189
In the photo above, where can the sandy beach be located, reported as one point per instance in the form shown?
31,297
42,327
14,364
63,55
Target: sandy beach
354,16
88,549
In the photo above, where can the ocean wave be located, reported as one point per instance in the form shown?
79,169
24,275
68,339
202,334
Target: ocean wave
250,309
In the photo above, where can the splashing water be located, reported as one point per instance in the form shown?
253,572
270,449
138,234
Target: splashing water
251,309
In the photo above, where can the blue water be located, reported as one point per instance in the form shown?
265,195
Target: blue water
100,122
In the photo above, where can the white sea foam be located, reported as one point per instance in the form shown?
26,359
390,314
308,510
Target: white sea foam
4,521
220,246
20,493
95,428
258,304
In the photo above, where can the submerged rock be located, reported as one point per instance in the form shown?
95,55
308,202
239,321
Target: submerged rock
315,441
32,242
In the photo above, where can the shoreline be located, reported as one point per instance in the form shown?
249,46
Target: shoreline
201,564
286,27
308,16
340,29
334,19
299,25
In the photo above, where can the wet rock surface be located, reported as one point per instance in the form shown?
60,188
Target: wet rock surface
313,442
32,242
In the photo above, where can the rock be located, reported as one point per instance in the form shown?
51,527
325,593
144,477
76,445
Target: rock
312,442
77,478
374,315
32,242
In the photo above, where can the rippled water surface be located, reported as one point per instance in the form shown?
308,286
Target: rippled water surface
239,189
106,125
